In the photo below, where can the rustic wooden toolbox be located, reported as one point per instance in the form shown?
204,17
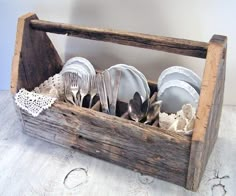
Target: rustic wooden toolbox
147,149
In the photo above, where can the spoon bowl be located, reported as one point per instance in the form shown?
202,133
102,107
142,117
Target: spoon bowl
135,111
153,112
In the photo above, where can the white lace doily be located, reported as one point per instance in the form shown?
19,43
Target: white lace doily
42,97
52,87
32,102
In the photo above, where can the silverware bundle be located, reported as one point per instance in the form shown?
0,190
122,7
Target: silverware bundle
76,88
149,109
108,90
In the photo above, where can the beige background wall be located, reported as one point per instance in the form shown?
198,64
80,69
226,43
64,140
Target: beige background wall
197,20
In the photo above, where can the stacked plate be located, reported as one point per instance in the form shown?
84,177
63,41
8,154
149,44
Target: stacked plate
78,65
178,86
132,80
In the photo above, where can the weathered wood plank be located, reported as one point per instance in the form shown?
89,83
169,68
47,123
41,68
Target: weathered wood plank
149,150
167,44
35,58
209,110
31,166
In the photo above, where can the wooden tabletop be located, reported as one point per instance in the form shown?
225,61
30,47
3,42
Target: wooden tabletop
30,166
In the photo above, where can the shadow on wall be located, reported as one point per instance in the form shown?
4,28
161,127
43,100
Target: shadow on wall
142,18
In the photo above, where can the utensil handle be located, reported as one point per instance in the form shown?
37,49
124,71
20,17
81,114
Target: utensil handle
105,110
115,93
113,109
91,101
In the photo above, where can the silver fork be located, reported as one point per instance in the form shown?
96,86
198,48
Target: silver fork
84,88
74,87
67,92
93,89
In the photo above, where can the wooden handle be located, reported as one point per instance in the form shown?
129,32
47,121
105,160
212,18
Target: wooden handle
167,44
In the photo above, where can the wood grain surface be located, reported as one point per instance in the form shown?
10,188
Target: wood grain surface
139,147
35,58
29,166
167,44
209,110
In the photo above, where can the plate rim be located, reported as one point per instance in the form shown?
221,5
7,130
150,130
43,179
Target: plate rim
134,69
179,84
173,69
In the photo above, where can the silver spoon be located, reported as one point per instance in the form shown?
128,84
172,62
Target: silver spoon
153,112
145,106
137,98
134,110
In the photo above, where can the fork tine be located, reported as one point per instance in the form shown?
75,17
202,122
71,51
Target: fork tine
67,92
84,87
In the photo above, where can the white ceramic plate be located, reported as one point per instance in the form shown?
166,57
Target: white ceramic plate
130,83
83,62
180,73
175,93
76,68
132,68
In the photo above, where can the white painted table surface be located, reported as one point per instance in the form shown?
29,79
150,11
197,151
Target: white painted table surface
29,166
